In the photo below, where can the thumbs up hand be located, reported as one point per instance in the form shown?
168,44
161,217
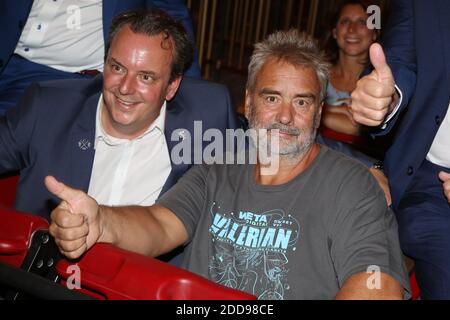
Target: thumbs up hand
375,95
75,222
445,178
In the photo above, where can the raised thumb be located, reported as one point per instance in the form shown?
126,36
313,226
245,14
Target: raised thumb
382,69
444,176
60,190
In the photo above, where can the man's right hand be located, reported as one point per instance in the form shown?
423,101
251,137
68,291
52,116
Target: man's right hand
375,95
75,222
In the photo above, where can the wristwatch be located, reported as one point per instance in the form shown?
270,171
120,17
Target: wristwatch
378,165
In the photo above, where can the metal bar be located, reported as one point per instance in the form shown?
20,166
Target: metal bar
288,14
233,32
211,39
202,31
243,35
301,11
227,16
249,40
313,16
259,20
199,24
266,18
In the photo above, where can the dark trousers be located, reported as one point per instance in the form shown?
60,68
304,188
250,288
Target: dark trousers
424,229
19,74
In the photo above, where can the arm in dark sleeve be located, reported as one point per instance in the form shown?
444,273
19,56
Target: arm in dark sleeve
399,45
232,119
178,10
16,131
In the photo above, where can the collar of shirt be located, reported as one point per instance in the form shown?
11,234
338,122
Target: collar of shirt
100,134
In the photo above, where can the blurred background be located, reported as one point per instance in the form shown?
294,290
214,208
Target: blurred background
227,30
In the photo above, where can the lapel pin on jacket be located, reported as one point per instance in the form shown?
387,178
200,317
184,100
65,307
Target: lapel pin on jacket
84,144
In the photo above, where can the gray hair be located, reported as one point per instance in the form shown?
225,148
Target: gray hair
294,47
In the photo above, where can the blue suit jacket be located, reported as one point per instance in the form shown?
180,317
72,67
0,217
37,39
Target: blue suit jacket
45,134
14,14
417,45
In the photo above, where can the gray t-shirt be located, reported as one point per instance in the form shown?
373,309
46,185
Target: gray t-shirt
299,240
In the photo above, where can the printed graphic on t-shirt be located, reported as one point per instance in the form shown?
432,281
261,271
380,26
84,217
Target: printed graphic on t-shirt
249,250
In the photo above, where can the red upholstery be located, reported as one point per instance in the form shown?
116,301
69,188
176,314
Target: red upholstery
347,138
107,272
16,230
8,191
415,291
113,273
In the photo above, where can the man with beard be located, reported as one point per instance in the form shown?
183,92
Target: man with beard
318,227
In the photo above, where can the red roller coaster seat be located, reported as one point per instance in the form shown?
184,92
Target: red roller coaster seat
16,232
111,273
108,272
415,291
343,137
8,190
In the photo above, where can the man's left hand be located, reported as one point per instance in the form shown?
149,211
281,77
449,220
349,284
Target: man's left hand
445,178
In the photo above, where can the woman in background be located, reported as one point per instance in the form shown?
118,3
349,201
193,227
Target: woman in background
348,47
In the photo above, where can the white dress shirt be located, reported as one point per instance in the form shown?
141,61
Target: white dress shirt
439,152
129,172
64,34
440,149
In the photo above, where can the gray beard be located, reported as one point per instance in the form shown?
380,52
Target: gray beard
287,153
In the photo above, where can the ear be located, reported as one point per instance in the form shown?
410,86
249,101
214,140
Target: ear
318,117
320,108
334,34
173,88
247,104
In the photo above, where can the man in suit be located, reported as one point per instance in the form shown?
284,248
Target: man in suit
410,89
113,136
46,40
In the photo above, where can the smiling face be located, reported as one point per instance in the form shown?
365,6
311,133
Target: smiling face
287,98
351,32
136,83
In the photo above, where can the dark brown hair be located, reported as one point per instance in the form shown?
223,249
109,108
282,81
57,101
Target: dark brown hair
155,22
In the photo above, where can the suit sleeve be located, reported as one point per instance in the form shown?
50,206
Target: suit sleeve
399,45
16,132
12,13
178,10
